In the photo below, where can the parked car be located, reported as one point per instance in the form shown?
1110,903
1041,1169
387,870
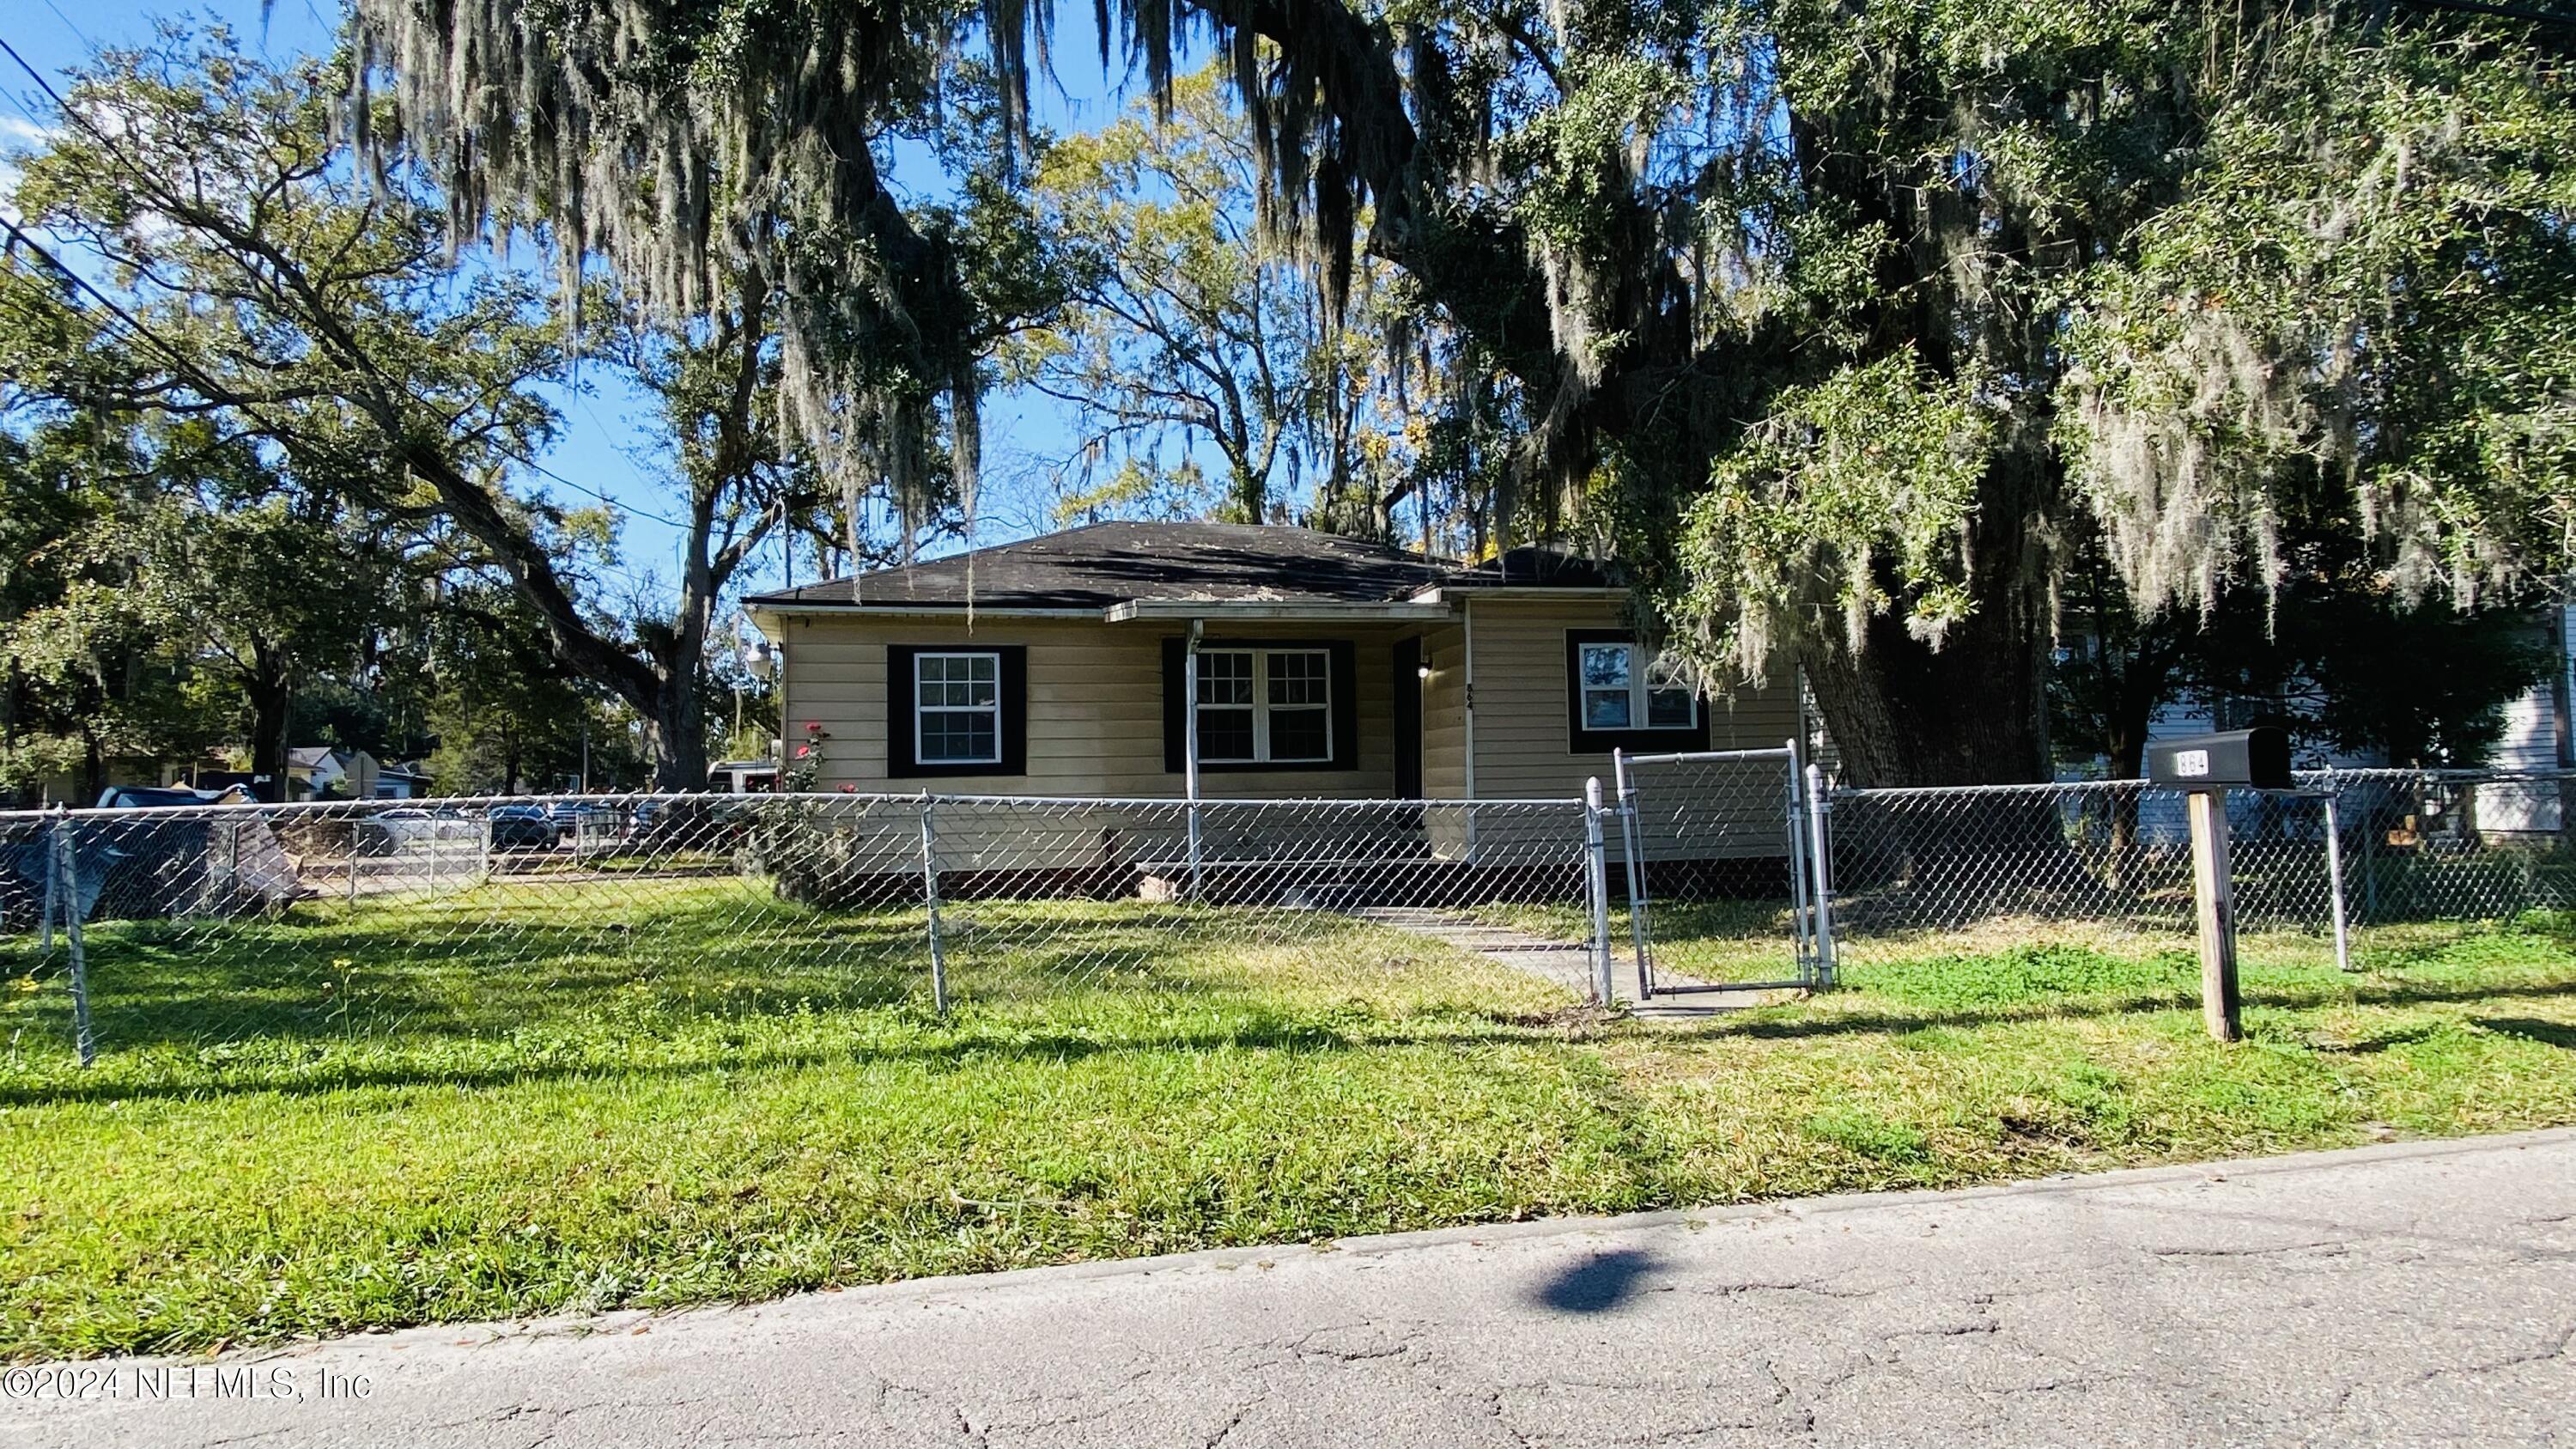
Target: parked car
522,827
572,816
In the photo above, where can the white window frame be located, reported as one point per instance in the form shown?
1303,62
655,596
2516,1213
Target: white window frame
921,755
1261,706
1640,689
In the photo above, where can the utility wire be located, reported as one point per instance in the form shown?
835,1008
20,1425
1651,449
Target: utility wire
195,376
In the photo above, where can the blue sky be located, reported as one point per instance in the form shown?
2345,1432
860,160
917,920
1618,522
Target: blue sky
604,446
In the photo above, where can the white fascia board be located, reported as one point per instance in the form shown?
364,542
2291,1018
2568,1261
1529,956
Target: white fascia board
1438,594
917,611
1391,611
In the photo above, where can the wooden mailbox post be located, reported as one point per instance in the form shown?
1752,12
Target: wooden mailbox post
2208,766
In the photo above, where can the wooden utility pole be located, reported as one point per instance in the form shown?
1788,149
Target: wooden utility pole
2220,1005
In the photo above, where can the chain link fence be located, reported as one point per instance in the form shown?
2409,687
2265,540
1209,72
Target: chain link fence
219,931
1713,855
2427,856
516,930
2370,865
1980,868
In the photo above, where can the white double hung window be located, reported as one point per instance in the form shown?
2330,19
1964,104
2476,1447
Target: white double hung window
1619,692
1265,706
957,708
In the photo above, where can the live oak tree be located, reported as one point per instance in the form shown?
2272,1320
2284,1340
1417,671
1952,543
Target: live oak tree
227,259
172,587
506,714
644,139
1876,300
263,581
89,680
2335,656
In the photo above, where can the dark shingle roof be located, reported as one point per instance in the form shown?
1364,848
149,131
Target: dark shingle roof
1110,563
1534,566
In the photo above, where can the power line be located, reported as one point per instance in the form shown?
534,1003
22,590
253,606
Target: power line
195,376
76,31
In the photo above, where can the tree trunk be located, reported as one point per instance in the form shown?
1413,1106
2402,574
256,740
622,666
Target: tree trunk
93,775
270,694
1973,713
675,733
2126,720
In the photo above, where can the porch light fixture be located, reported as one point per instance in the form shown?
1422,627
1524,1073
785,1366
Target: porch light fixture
1422,670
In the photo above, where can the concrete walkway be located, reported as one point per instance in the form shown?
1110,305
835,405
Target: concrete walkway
1562,963
2413,1293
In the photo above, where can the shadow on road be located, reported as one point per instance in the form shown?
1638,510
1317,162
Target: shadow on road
1597,1284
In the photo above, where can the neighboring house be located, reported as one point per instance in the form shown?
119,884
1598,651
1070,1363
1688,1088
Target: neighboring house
139,771
2539,736
318,772
1326,666
401,782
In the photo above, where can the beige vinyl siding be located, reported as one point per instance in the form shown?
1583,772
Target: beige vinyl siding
1523,737
1095,707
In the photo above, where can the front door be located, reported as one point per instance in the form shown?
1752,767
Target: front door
1408,719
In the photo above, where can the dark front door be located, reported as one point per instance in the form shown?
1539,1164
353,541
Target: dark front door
1408,719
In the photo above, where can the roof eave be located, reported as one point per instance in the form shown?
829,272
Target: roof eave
1319,610
1442,593
757,607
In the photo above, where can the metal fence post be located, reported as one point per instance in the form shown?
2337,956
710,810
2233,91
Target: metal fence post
1631,846
930,895
1597,882
68,870
1801,921
1190,753
1820,846
2334,874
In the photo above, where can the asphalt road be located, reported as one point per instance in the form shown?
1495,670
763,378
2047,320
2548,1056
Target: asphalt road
2404,1294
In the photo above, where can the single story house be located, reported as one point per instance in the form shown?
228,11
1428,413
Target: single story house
1325,667
319,772
2539,739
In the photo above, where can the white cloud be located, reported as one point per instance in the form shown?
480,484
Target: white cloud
18,136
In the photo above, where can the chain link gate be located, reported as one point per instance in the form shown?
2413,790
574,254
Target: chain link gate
1725,870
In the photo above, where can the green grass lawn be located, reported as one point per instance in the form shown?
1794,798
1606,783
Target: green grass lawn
655,1093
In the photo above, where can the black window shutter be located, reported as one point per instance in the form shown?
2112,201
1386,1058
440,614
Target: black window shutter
902,683
1346,705
1015,710
1176,725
